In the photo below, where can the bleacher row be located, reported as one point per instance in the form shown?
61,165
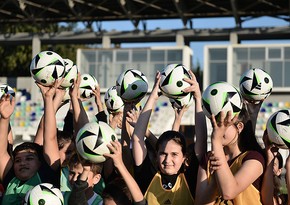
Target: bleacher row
27,115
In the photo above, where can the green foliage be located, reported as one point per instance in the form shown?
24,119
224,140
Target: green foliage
16,59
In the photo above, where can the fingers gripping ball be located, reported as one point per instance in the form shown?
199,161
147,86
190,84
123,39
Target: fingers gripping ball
278,128
88,83
113,101
92,140
46,67
172,83
255,84
71,73
132,85
44,194
221,96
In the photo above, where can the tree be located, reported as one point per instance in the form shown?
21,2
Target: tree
16,59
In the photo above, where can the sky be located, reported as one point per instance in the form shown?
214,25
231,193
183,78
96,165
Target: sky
203,23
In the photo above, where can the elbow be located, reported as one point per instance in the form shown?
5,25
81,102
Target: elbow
229,195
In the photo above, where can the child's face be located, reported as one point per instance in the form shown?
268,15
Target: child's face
26,164
231,136
170,157
76,171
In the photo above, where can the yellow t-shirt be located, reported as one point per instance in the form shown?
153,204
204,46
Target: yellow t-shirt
249,196
179,194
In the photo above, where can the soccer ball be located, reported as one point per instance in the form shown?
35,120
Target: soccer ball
132,85
6,89
185,101
113,102
46,67
44,193
256,84
71,73
172,83
221,96
92,140
278,128
88,83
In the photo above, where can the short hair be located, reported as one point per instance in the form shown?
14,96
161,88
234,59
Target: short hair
118,191
38,149
75,159
63,137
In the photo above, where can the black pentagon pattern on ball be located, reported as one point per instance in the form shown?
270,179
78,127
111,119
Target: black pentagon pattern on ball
207,106
285,123
6,90
256,82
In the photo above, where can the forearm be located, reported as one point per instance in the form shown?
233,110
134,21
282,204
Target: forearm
267,191
200,130
287,177
131,183
151,138
224,177
80,116
139,147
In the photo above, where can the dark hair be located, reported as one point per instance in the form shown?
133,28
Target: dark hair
247,139
63,137
172,135
118,191
75,159
178,138
29,146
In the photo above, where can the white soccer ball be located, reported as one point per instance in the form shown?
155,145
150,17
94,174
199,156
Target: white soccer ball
278,128
92,140
185,101
132,85
114,103
6,89
255,84
172,83
88,83
44,194
71,73
221,96
46,67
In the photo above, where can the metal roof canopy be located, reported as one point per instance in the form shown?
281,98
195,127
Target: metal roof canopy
90,11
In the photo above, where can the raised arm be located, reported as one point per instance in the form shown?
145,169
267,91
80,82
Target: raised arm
57,102
230,185
6,109
132,117
116,154
200,146
139,147
98,100
287,176
50,146
80,115
267,192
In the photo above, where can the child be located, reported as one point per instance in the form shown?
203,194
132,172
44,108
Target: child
271,189
31,163
168,183
136,196
83,176
234,174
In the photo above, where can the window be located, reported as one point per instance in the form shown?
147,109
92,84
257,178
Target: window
274,53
